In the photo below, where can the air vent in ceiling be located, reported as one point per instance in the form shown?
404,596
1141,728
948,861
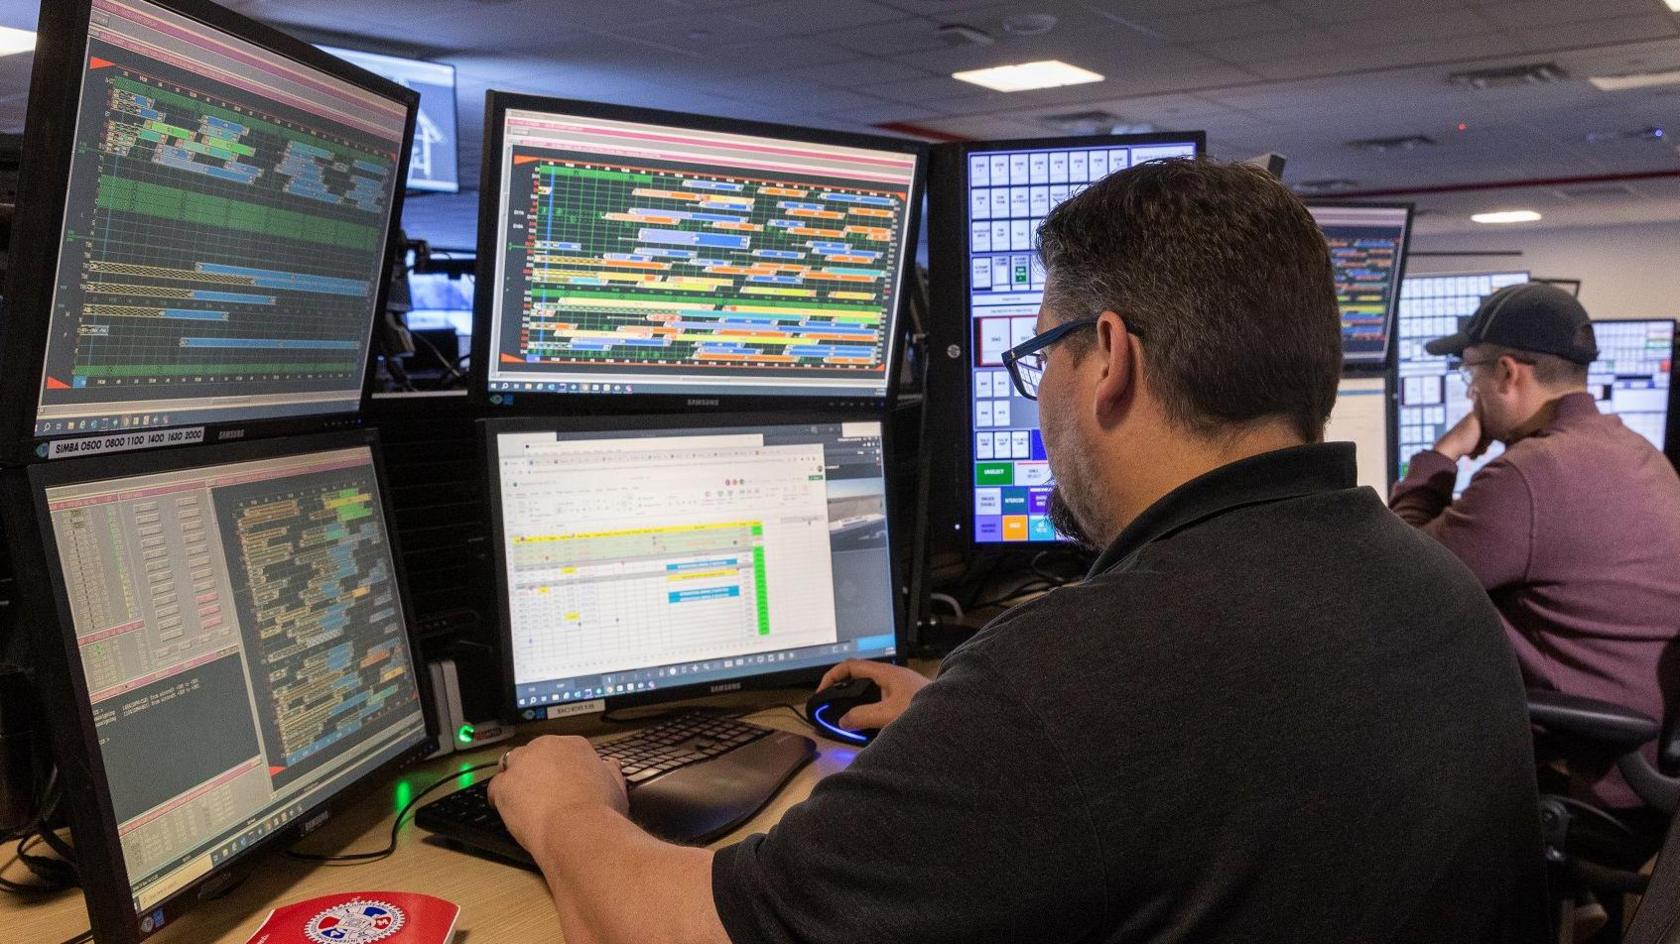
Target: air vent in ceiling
1594,192
1651,133
1028,24
961,34
1410,142
1326,185
1533,73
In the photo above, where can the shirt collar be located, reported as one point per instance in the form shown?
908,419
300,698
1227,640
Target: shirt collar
1268,477
1573,406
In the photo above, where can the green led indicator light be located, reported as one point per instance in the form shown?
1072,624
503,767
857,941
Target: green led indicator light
465,734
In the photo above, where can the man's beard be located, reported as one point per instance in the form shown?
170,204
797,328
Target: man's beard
1066,522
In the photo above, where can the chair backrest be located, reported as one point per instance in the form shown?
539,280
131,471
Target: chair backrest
1658,919
1668,746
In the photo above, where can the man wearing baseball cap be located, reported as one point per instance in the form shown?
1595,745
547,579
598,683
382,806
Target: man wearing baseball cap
1575,529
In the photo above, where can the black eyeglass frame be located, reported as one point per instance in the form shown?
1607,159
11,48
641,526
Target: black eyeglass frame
1012,358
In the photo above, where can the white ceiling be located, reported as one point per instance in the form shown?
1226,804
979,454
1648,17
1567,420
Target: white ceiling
1301,77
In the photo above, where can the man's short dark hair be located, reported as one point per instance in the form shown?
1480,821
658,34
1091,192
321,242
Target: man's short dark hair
1551,370
1226,278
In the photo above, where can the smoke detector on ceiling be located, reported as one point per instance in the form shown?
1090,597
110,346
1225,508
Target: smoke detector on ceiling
961,34
1533,73
1410,142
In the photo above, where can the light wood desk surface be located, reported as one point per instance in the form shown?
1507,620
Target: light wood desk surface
499,903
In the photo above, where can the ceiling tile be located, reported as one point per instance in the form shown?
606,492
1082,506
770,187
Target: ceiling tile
813,16
1247,21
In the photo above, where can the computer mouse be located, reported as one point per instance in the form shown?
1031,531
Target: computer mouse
826,707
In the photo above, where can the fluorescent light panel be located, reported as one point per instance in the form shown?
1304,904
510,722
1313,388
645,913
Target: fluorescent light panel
1026,76
1506,216
14,41
1637,80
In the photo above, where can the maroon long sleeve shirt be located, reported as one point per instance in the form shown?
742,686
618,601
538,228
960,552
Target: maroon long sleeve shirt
1575,533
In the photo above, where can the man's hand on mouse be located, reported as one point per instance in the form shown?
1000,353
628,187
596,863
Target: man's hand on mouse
542,780
898,685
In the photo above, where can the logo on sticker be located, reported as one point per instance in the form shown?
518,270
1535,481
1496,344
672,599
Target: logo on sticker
354,922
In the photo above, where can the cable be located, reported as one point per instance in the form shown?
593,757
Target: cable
80,938
948,600
362,858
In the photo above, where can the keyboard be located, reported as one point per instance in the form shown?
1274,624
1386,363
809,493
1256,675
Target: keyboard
692,779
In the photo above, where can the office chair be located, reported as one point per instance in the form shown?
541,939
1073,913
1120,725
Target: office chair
1658,919
1590,849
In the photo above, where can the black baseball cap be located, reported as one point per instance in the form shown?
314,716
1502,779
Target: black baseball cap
1534,317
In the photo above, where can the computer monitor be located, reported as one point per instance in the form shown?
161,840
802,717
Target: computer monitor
694,260
655,557
203,227
1431,395
1360,416
434,158
1368,257
985,204
225,653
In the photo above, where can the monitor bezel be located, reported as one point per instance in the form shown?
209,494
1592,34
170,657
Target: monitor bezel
63,686
49,139
1368,364
951,371
499,403
802,677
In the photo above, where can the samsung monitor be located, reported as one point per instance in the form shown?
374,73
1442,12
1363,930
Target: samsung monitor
1368,260
696,261
224,651
1360,416
202,234
986,201
654,557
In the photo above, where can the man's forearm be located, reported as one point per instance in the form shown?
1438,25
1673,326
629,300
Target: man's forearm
614,884
1427,489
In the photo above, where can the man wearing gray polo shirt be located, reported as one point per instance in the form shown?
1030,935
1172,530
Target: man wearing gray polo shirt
1575,530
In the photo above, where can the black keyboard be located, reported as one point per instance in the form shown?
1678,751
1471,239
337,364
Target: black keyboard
692,779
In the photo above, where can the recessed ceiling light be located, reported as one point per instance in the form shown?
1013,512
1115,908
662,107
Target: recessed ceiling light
1673,5
14,41
1506,216
1634,80
1026,76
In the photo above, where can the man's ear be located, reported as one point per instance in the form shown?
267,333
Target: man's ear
1117,351
1508,371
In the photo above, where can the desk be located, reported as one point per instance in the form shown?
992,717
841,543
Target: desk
498,902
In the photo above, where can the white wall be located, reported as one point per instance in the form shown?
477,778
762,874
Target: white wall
1625,271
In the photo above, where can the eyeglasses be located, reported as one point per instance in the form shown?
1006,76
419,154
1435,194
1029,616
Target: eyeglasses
1025,361
1468,376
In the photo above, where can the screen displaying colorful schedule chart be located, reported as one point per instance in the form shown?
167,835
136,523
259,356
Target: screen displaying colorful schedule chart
238,652
633,252
1010,187
651,557
1368,260
221,252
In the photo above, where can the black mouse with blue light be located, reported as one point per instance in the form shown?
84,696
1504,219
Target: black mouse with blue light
826,707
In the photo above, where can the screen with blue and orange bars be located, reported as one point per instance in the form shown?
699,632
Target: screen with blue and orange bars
1367,257
224,231
1010,191
643,258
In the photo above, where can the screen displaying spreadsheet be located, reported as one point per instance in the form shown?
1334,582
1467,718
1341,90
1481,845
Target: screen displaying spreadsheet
636,560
